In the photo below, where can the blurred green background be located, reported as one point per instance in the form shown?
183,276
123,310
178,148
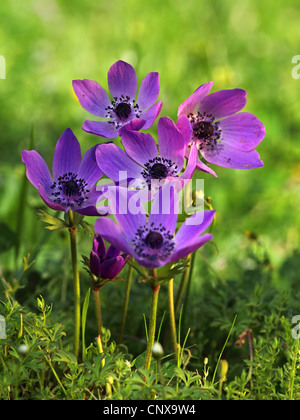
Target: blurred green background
247,44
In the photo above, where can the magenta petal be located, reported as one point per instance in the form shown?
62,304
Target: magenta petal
112,267
230,157
105,129
92,97
136,124
99,246
149,91
122,80
184,126
191,165
244,131
67,155
190,104
115,162
171,142
223,103
141,147
151,114
95,264
89,169
37,170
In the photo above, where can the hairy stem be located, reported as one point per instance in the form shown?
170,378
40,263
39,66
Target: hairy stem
98,310
152,323
172,316
126,301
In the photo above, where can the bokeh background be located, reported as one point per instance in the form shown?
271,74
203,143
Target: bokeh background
245,44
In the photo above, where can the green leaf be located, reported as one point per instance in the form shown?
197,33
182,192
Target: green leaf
54,222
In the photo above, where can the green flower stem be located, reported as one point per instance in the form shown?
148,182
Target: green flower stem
76,283
98,310
172,317
126,301
183,281
152,322
188,286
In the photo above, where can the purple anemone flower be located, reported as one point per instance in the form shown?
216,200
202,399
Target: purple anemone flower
144,161
152,242
224,136
106,264
124,107
73,179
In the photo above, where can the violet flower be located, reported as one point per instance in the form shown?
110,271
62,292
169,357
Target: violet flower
144,161
73,179
224,136
124,107
153,242
105,264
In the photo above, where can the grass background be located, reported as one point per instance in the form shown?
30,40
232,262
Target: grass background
248,44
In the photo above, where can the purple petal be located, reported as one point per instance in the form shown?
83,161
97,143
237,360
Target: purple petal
190,104
67,155
115,162
141,147
191,165
136,124
164,209
112,267
184,250
99,246
50,202
184,126
244,131
129,214
89,169
92,96
95,264
112,233
149,91
171,142
112,252
151,114
37,170
193,227
122,80
223,103
204,168
89,206
105,129
230,157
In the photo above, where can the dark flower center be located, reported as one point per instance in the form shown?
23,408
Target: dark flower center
123,110
154,240
203,130
158,171
70,188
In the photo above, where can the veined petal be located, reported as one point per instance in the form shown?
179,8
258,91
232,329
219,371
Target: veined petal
244,131
49,201
111,268
171,142
223,103
122,80
149,91
190,104
37,170
185,127
151,114
89,169
67,155
92,97
141,147
229,157
191,164
115,162
107,129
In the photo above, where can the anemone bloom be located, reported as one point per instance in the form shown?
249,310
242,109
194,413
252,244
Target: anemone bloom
106,263
73,179
153,242
124,107
146,163
224,136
